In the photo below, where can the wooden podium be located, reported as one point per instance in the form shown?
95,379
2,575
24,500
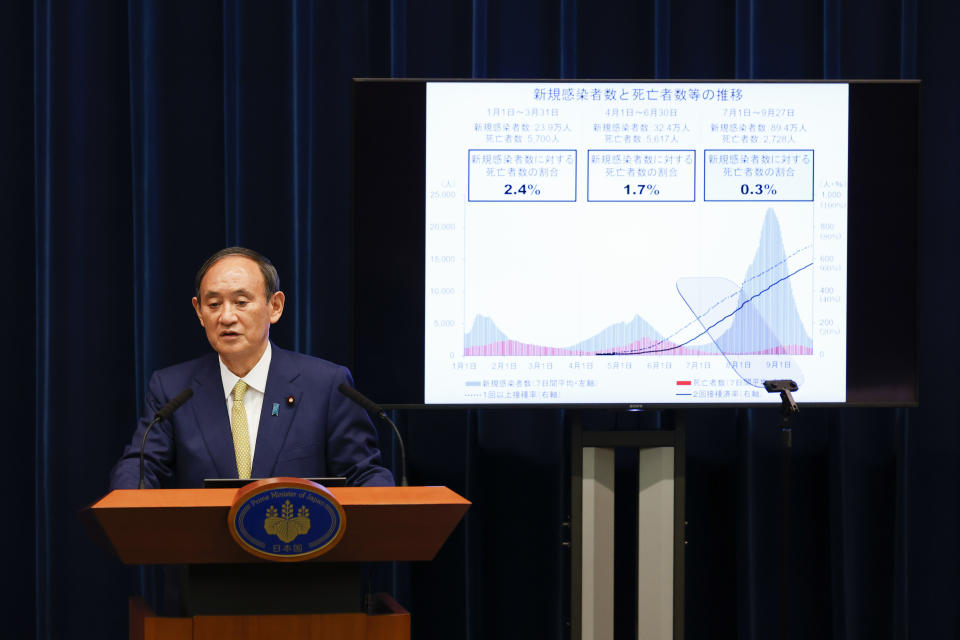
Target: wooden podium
233,594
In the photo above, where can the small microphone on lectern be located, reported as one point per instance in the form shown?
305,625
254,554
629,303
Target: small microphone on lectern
163,413
374,409
167,410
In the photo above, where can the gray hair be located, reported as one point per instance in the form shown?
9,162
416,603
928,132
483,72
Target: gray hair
271,278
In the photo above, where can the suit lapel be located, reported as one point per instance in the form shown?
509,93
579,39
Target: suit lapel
272,432
210,409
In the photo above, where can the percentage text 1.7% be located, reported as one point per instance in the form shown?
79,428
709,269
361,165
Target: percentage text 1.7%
641,189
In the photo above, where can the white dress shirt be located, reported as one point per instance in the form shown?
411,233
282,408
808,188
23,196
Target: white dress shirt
256,381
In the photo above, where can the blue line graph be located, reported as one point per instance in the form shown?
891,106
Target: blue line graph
757,317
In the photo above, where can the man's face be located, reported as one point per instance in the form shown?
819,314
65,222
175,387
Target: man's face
235,312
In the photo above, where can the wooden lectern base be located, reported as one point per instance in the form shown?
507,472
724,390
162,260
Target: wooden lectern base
390,622
233,598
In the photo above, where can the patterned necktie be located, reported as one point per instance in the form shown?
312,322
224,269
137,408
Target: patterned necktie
241,432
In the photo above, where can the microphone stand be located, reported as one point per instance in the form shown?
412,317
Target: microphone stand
143,445
788,407
403,451
164,413
376,410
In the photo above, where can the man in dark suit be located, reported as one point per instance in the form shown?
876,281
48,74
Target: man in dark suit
258,411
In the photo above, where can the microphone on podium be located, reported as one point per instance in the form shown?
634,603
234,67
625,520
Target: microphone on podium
163,414
376,410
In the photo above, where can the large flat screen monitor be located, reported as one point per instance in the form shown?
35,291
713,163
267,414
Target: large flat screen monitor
635,243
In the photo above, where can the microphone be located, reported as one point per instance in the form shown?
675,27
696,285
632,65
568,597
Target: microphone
167,410
163,414
376,410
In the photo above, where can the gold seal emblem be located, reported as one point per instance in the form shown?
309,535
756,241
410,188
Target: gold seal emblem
286,519
287,526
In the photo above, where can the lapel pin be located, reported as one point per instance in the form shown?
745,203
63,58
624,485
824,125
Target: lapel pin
290,401
276,409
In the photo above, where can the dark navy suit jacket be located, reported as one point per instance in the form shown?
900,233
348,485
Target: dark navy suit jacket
322,434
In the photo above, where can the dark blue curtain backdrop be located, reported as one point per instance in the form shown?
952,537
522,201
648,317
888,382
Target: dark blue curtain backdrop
137,137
